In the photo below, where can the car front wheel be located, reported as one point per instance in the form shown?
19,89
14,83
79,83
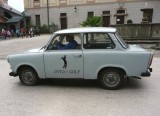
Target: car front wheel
28,76
111,79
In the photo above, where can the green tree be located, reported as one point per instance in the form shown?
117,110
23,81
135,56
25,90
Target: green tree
44,29
95,21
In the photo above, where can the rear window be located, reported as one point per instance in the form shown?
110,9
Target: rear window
122,42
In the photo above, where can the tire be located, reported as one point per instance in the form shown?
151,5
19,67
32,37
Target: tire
111,79
28,76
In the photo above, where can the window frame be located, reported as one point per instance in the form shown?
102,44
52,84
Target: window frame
99,44
121,41
90,14
38,19
64,34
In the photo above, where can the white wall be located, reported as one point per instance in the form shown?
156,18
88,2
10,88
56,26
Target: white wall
74,18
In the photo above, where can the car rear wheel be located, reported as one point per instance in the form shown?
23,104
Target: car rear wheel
111,79
28,76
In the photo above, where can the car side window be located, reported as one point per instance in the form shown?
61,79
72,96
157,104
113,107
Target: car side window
98,41
65,42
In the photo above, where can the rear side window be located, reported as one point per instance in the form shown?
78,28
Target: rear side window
97,41
122,42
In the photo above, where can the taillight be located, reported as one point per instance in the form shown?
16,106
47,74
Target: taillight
150,60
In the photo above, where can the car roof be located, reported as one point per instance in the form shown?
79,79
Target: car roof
87,30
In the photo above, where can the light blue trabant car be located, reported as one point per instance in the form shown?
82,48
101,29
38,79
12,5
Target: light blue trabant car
100,54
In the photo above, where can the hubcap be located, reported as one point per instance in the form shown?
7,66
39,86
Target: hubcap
27,77
111,79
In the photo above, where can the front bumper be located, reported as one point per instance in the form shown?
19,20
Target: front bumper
147,73
13,74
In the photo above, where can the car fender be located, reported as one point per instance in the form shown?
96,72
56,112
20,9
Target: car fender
38,71
110,66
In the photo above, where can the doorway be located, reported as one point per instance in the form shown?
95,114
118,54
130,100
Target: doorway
106,18
63,20
120,16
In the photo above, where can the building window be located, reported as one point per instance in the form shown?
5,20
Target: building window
63,20
36,3
120,11
106,12
106,18
147,14
120,16
90,14
36,0
63,15
38,21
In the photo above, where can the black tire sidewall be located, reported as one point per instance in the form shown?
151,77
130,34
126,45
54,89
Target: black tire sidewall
121,79
34,82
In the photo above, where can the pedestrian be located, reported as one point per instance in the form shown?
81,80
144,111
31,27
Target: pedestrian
27,32
3,33
8,34
31,32
37,31
22,32
18,32
12,33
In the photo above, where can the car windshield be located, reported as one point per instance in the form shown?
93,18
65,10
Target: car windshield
122,42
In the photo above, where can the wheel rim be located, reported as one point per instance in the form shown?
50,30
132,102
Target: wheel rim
111,79
28,77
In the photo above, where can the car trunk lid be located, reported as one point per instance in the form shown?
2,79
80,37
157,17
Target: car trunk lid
136,48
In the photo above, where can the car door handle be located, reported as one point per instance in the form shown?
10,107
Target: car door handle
77,55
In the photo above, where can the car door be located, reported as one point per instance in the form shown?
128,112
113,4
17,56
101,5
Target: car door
63,63
98,52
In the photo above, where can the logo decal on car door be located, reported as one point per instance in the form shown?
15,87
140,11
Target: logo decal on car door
65,61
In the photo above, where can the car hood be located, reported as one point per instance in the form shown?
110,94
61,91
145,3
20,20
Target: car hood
35,50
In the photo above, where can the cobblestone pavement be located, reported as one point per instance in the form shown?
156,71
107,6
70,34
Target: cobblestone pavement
18,45
74,97
79,97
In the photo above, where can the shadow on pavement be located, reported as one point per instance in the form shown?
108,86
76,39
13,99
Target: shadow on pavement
69,82
131,84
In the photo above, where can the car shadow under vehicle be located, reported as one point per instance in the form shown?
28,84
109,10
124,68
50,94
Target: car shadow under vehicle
131,84
69,82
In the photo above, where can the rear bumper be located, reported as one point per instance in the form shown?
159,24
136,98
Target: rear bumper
147,73
13,74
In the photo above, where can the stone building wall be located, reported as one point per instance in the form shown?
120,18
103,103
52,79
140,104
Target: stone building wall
132,10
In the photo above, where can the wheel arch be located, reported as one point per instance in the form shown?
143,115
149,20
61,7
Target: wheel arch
26,66
116,68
